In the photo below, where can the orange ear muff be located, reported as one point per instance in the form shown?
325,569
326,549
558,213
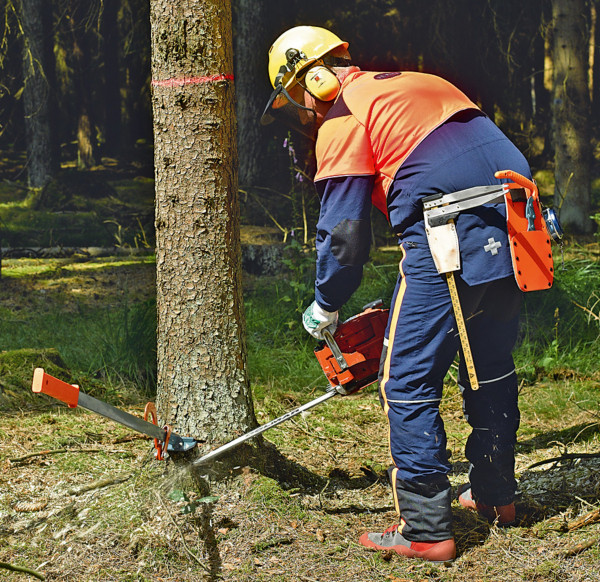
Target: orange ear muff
322,83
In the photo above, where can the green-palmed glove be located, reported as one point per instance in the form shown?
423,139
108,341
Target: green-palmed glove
315,319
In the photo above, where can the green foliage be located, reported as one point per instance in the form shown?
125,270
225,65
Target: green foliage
125,343
558,332
379,278
278,346
189,506
16,374
268,492
86,311
299,286
596,219
81,209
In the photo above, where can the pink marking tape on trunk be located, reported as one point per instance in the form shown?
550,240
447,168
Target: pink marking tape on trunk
191,80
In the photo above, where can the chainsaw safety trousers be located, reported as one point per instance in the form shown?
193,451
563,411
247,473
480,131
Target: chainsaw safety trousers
422,340
422,343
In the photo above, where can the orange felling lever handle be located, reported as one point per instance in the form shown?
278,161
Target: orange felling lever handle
151,415
46,384
519,180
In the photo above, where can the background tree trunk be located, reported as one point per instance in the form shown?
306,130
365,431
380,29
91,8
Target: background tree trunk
81,18
36,95
203,387
111,85
251,47
135,66
571,114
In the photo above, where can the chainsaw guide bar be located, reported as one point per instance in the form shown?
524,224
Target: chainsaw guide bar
355,348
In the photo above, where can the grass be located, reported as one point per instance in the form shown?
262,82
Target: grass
107,206
97,315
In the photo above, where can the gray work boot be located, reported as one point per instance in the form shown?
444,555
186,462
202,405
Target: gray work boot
392,539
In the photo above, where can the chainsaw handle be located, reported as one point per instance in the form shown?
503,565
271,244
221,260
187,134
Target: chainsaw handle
46,384
335,349
377,304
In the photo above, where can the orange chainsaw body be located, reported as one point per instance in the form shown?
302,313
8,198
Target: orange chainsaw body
360,341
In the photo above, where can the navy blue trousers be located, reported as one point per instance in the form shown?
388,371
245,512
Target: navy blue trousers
422,338
422,344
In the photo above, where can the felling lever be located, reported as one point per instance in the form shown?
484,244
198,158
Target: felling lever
355,346
164,438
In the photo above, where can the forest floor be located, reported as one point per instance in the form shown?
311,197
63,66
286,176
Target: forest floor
82,499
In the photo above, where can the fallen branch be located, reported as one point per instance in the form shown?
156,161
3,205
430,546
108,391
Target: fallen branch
44,517
587,519
58,452
565,457
98,484
580,548
14,568
128,439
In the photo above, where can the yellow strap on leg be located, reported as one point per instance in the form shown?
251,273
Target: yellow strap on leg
462,331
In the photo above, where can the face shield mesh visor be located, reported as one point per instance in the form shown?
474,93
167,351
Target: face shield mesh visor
282,107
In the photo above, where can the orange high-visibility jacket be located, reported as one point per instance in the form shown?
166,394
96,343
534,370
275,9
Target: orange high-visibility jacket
372,130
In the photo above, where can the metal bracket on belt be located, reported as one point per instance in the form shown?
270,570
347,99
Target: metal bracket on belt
440,208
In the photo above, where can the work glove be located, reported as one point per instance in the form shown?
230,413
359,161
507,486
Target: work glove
315,319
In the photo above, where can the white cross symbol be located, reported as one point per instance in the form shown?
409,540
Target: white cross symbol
492,246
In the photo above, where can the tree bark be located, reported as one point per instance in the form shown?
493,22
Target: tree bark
81,33
250,53
111,86
36,95
571,115
203,387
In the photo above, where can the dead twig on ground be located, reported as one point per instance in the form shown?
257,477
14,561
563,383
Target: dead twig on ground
40,518
98,484
587,519
565,457
130,438
58,452
21,569
47,453
580,547
591,314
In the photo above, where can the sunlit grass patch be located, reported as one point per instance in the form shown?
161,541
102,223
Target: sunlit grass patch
34,267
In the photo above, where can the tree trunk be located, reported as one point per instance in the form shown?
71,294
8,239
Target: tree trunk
250,52
571,115
595,68
111,86
36,95
203,387
135,66
82,82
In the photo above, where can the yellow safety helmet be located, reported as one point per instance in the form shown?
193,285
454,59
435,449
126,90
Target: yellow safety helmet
312,42
299,55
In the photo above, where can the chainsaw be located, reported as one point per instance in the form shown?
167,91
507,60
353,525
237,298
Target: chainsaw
349,358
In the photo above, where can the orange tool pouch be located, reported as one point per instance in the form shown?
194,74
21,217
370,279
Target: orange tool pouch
527,234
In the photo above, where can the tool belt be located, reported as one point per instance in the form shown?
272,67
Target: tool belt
528,233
